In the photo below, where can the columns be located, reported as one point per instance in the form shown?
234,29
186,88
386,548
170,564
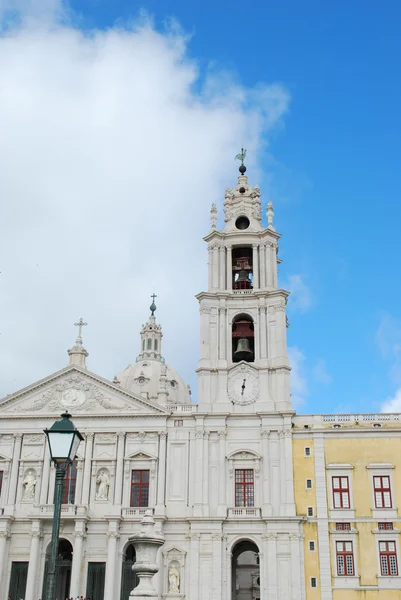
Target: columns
36,535
78,489
289,484
274,264
297,580
12,490
266,503
222,507
87,468
75,586
283,489
161,480
255,262
198,463
222,333
215,267
210,267
270,562
263,331
262,266
222,269
113,535
4,536
194,567
217,539
118,488
205,487
229,268
45,476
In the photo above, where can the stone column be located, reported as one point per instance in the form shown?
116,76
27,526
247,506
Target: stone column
87,468
215,267
217,565
229,268
113,536
222,269
297,587
161,480
283,486
270,561
255,261
274,264
199,433
289,483
222,501
118,489
45,476
4,536
262,267
75,586
34,554
194,566
52,483
210,267
222,332
266,505
263,332
78,489
205,488
12,490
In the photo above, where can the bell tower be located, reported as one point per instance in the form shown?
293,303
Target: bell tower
243,364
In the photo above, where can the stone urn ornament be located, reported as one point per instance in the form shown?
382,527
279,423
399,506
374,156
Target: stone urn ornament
146,544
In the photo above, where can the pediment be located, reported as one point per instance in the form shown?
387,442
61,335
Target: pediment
141,455
244,454
81,393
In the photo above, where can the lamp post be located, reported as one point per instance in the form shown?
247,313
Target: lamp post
63,441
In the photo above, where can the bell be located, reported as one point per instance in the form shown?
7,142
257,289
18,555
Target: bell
243,351
243,276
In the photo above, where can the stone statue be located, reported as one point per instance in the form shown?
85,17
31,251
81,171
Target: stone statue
29,484
104,483
213,216
173,579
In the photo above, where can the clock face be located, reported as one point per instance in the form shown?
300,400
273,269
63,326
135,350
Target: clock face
243,386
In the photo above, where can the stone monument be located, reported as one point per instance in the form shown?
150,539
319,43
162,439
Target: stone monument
146,544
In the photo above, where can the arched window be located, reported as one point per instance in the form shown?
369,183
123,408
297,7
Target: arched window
243,340
70,480
245,571
149,344
155,345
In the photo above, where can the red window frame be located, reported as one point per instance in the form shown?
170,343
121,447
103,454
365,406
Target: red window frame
244,488
385,526
343,526
345,559
382,491
340,486
69,484
140,487
388,559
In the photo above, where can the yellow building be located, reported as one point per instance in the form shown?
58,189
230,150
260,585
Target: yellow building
347,482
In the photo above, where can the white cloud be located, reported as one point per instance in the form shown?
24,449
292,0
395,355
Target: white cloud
299,384
112,149
320,372
388,339
300,299
392,405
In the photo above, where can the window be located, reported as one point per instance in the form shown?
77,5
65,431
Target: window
382,491
178,423
139,488
340,492
310,511
69,485
143,345
244,492
313,582
385,526
388,558
155,345
343,526
149,344
307,451
345,559
311,546
1,481
309,484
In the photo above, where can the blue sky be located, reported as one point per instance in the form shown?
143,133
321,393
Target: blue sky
331,167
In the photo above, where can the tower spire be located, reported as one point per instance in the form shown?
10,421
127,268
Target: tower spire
78,353
151,336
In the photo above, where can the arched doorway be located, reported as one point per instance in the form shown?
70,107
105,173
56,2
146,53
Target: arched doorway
129,579
63,569
245,571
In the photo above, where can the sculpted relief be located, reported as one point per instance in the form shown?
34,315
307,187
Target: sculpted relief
29,484
103,485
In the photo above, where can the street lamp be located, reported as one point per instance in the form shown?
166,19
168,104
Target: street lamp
63,441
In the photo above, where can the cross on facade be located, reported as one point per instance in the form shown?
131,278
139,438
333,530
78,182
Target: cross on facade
80,324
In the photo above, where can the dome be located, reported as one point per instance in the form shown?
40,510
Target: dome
155,380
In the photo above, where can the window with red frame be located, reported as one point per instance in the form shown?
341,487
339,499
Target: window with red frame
386,526
343,526
388,558
345,559
340,492
69,484
381,486
139,488
244,491
1,481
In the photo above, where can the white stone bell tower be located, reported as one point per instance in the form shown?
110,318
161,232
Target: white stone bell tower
243,364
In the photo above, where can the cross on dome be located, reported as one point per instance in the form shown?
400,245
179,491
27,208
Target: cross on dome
78,353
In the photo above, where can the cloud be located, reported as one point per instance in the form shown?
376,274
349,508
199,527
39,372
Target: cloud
392,405
320,373
300,299
114,145
388,338
299,384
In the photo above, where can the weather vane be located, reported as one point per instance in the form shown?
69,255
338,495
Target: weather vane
241,156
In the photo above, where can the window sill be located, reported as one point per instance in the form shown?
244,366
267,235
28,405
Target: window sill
342,513
346,582
389,583
384,513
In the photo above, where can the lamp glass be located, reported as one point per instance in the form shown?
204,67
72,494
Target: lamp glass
61,444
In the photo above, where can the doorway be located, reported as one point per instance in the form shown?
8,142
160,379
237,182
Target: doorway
95,582
245,571
19,574
129,579
63,569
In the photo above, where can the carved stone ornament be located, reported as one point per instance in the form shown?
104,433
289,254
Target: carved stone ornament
243,386
73,391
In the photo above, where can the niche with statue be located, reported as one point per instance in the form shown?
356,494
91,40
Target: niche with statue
174,562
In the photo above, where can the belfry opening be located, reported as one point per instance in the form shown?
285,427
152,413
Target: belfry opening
242,265
243,339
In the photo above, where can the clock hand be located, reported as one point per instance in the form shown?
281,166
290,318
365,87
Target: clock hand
243,387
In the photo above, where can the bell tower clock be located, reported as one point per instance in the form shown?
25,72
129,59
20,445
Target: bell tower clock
243,362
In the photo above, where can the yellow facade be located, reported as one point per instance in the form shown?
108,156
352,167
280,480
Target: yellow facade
359,453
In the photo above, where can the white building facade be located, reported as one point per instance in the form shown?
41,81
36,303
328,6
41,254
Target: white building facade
218,476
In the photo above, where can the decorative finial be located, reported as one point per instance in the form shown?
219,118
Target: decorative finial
153,305
270,215
213,216
80,324
241,157
78,353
